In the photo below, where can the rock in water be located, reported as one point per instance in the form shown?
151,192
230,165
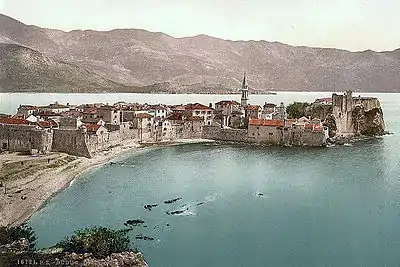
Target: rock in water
172,200
134,222
176,212
143,237
149,207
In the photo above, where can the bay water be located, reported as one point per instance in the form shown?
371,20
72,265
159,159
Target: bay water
243,205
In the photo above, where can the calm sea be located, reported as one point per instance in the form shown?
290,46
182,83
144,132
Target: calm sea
337,206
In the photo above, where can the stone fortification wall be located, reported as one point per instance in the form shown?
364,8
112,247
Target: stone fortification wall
42,140
357,115
366,103
25,138
307,137
217,133
72,142
188,130
268,135
96,143
342,106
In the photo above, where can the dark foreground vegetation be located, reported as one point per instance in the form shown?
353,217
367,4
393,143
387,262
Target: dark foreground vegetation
95,246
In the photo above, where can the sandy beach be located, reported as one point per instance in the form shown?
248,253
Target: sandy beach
28,194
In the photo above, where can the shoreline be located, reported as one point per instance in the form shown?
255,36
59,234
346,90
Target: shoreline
40,188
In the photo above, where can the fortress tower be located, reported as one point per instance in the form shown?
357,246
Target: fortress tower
245,92
342,111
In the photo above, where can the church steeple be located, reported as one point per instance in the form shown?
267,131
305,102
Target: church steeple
244,84
245,92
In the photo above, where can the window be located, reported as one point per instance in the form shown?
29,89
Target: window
165,129
258,128
271,133
258,133
252,134
4,146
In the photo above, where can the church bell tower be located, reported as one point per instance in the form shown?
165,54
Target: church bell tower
245,92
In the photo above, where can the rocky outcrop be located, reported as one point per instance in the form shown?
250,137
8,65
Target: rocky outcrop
357,116
124,259
368,122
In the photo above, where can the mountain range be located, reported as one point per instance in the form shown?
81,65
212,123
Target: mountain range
132,60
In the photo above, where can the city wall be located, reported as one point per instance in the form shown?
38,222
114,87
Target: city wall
307,137
25,139
219,134
72,142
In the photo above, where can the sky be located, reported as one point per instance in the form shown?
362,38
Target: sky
346,24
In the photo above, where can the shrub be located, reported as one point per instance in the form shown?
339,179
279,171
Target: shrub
99,241
296,110
12,234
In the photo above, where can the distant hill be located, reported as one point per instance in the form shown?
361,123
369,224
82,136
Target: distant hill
23,70
201,63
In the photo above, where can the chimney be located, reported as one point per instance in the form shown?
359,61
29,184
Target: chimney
210,105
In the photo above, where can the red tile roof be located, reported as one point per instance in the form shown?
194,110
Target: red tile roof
15,121
252,107
264,122
314,127
197,106
91,127
47,124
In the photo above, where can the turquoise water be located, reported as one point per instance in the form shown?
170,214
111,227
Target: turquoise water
336,206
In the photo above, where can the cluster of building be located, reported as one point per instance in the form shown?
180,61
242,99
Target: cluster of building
83,130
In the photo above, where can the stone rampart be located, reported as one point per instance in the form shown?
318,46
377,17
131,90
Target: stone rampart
307,137
72,142
357,115
25,139
220,134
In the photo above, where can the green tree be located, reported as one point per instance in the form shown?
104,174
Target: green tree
99,241
12,234
297,110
